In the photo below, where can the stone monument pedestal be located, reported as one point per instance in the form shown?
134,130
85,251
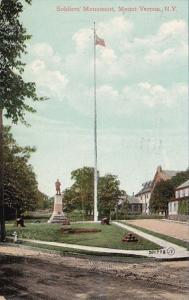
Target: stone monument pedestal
58,216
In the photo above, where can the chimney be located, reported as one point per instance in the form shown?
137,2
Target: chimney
159,169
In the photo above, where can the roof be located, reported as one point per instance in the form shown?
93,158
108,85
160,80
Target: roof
183,185
147,186
133,199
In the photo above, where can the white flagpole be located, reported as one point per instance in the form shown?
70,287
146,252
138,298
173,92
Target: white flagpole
95,136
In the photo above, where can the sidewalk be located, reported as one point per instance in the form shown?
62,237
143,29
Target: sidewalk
169,249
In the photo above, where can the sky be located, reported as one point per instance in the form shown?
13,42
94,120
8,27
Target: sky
142,100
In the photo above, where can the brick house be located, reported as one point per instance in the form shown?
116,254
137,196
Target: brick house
144,194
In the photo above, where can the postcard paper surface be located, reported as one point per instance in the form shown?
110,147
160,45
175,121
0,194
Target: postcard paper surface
106,192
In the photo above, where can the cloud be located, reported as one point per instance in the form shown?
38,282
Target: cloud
173,29
108,61
46,69
168,44
82,38
49,82
127,54
130,100
152,95
46,52
157,57
38,65
124,67
115,28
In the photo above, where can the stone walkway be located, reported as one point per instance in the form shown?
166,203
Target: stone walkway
168,251
173,229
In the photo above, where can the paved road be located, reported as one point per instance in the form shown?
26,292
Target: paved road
37,276
176,230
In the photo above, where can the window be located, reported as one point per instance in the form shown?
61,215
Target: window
175,206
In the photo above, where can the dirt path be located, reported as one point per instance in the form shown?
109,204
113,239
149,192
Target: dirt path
27,274
176,230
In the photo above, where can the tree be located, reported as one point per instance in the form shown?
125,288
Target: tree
123,205
20,184
108,194
84,187
14,91
71,199
81,193
180,178
161,194
43,201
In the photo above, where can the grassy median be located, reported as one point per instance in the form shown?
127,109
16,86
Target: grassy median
109,237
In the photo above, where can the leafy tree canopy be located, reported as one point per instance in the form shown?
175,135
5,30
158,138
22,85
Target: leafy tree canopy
180,178
108,193
20,184
83,188
162,193
15,92
81,193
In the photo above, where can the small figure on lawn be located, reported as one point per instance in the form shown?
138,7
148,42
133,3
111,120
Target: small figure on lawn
105,221
57,185
20,221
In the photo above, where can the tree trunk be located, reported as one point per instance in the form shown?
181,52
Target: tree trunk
2,214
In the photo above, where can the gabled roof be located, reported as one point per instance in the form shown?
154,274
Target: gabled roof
147,186
183,185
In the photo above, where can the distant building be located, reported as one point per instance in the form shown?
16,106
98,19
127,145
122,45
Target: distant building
181,195
162,175
135,205
144,194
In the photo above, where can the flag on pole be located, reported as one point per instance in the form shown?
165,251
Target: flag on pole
99,41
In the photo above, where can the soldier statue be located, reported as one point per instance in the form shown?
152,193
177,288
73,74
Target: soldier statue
57,185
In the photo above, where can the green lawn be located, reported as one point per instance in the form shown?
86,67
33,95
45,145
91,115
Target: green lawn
161,236
109,237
